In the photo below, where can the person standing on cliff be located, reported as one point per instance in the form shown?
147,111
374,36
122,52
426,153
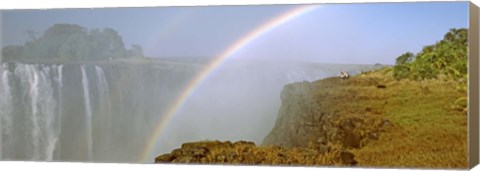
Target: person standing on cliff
344,75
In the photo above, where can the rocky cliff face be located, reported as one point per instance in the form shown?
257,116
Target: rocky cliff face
322,114
316,125
299,119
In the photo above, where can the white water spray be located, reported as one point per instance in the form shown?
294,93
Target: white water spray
59,80
6,121
30,81
88,112
42,114
47,105
103,98
103,90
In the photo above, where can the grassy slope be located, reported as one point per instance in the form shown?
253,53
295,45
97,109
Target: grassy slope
427,131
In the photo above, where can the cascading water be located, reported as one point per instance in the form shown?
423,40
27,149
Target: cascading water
58,126
88,113
48,114
6,121
103,90
41,111
104,109
29,79
107,112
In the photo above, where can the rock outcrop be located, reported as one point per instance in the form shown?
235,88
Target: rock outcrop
316,125
243,152
299,114
318,114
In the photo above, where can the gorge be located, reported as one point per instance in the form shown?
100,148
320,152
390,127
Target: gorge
106,111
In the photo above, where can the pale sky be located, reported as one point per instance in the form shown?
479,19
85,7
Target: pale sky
333,33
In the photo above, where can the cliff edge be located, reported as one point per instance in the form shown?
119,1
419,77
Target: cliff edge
383,121
368,120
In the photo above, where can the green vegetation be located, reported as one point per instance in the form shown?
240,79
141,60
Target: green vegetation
63,42
446,58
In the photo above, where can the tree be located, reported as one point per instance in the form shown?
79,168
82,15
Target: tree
136,51
446,57
12,52
56,36
405,58
77,46
32,35
401,71
114,47
73,42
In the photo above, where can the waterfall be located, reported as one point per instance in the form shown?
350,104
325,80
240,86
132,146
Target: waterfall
29,81
47,105
106,112
6,121
103,91
105,108
88,112
60,102
37,82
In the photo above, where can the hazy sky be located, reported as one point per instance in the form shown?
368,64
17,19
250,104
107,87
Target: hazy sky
332,33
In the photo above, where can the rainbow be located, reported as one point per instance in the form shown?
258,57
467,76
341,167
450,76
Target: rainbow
210,67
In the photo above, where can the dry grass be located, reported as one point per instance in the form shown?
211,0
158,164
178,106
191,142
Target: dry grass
428,131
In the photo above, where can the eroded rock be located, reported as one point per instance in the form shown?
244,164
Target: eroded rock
243,152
